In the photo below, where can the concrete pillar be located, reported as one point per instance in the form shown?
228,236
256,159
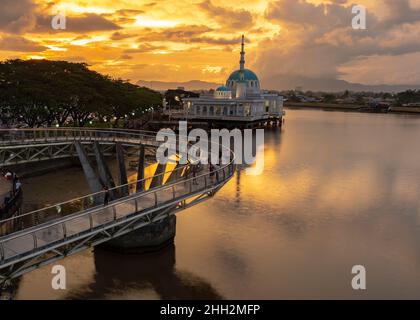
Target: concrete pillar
90,174
150,238
140,169
176,174
104,172
122,172
158,181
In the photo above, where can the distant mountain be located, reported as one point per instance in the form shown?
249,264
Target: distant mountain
284,82
192,85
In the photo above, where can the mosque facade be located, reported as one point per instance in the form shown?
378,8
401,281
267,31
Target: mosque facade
241,99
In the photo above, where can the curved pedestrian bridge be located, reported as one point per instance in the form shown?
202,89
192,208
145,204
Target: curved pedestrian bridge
49,234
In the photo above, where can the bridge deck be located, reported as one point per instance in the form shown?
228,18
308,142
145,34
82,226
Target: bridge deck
81,224
44,234
51,234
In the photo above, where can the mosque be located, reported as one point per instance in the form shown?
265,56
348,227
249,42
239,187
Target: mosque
240,100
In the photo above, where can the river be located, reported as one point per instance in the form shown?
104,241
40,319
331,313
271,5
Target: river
339,189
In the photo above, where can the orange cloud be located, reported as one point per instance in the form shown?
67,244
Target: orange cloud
183,40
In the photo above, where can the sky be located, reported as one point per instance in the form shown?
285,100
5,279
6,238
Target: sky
181,40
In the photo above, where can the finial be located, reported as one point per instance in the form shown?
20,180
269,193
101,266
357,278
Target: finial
242,61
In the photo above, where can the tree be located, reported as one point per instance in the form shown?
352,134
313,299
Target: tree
43,93
409,96
329,98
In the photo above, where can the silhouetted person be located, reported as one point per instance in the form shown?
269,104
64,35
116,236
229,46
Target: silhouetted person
8,199
15,183
194,171
106,195
211,169
18,185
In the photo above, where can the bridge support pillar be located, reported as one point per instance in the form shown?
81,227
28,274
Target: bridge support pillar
147,239
140,169
104,173
176,174
122,171
158,179
90,174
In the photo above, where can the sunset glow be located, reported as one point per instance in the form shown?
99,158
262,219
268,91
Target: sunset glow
199,40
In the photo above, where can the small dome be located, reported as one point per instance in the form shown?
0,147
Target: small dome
223,88
248,75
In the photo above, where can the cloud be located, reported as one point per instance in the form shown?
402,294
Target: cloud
145,48
88,22
20,44
400,70
295,38
17,16
236,19
120,36
26,16
187,34
125,57
181,33
218,41
317,39
123,16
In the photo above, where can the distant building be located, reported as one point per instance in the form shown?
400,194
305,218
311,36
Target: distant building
174,98
239,100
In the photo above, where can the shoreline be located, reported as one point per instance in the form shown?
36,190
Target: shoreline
349,107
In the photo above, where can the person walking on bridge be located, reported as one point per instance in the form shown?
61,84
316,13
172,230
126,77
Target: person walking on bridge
106,195
15,182
211,169
194,171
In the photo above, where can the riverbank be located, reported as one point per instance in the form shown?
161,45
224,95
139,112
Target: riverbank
347,107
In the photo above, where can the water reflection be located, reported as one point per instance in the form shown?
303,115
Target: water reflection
140,274
338,189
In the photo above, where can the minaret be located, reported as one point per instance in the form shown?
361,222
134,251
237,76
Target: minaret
242,62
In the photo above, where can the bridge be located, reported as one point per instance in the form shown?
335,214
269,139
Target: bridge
43,236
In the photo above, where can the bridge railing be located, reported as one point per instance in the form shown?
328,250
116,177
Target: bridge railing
62,231
60,210
39,135
56,211
87,202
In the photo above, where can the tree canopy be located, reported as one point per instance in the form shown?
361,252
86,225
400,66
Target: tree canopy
409,96
43,93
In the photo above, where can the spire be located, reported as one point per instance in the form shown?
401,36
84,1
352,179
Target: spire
242,62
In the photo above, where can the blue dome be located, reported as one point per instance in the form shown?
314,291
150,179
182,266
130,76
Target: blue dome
222,88
248,75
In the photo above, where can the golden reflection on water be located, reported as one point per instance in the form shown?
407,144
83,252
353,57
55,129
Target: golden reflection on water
338,189
150,171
